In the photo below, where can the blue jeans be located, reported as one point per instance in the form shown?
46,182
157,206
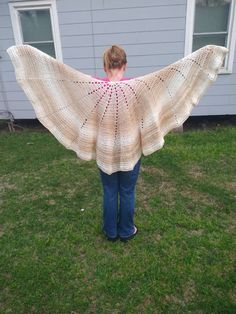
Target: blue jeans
119,222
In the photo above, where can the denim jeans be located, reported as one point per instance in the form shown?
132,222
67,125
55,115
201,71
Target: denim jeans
119,221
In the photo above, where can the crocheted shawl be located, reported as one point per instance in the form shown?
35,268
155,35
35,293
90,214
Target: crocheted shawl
113,122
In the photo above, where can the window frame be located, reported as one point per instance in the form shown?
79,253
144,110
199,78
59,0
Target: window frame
14,7
231,39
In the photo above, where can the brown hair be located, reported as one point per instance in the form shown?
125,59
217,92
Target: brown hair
114,57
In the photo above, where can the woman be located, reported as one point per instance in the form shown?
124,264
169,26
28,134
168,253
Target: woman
118,222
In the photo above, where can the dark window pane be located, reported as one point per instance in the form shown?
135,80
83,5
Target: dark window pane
45,47
203,40
36,25
211,15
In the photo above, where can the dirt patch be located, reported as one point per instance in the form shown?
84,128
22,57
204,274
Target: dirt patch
232,225
232,295
51,202
195,232
1,231
167,187
189,291
4,185
145,192
173,299
231,186
153,170
142,307
197,196
195,171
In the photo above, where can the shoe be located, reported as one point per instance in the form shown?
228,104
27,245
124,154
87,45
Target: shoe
112,239
109,238
125,239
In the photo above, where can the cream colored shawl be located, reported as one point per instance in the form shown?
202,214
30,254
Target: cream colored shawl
113,122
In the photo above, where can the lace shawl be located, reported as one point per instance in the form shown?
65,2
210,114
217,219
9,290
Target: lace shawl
113,122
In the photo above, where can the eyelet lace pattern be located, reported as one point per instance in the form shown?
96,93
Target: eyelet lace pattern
113,122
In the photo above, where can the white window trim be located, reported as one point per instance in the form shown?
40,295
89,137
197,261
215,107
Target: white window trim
29,5
231,40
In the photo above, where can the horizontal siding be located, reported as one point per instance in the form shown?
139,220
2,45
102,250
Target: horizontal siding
6,33
157,12
149,49
77,41
5,21
72,5
115,27
23,113
203,110
127,23
156,50
134,38
152,32
3,8
220,89
12,87
218,100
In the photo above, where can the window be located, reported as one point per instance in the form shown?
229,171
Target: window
211,22
35,23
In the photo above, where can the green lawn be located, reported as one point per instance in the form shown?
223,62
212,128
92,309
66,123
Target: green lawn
55,259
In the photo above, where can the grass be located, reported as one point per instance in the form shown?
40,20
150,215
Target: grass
55,259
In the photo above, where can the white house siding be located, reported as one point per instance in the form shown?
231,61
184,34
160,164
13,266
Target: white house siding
151,31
